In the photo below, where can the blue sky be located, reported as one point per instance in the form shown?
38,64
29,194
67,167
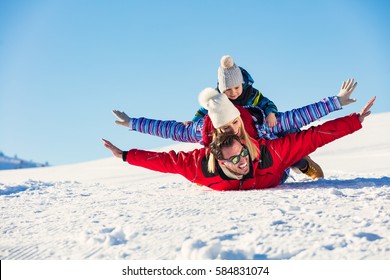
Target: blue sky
64,65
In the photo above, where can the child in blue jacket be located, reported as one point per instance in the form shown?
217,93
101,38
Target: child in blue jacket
237,84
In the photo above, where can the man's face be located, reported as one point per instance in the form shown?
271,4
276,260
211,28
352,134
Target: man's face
228,153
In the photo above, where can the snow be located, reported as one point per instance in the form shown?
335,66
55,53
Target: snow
107,209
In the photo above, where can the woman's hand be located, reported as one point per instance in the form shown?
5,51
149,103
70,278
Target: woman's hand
124,119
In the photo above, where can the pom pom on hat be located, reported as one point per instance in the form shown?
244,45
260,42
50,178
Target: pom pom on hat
220,109
229,74
227,61
205,95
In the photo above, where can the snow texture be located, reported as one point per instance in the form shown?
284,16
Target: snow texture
107,209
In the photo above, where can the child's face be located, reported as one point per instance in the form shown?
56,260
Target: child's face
234,92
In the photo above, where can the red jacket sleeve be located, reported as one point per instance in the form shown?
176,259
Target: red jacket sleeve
187,164
295,146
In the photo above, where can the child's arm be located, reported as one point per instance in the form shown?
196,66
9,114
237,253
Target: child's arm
200,114
269,109
266,105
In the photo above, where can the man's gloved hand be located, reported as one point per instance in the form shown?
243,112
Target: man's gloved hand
345,92
123,118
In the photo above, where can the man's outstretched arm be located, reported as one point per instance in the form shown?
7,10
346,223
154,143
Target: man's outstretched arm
295,146
186,164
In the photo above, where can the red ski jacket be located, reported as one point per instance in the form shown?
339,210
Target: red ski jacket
266,170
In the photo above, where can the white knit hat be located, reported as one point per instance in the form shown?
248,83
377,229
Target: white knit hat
229,74
221,109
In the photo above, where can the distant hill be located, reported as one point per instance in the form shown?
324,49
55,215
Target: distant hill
7,162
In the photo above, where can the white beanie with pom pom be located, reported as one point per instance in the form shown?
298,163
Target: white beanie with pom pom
221,109
229,74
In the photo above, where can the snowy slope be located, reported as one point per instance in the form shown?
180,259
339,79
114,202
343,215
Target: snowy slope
108,209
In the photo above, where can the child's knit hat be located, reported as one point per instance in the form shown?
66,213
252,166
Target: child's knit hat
229,74
221,109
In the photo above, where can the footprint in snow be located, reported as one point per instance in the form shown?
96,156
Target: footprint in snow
369,236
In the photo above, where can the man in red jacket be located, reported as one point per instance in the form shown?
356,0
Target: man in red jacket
235,169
